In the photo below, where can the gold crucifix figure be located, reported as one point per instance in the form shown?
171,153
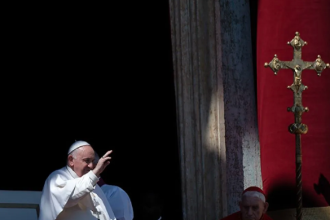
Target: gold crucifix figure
297,65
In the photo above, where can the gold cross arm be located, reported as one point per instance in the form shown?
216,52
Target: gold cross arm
297,64
318,65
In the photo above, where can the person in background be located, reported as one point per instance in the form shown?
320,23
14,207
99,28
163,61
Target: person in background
118,199
253,206
72,193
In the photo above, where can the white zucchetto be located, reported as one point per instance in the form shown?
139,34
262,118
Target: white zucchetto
76,145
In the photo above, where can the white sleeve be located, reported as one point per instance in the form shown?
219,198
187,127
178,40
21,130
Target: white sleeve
61,190
83,186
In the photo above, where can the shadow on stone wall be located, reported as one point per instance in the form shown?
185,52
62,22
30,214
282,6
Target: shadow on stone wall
284,197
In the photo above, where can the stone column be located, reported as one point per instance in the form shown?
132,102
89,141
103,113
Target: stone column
242,139
200,107
215,102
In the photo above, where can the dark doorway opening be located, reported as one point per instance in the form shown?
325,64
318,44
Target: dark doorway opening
98,73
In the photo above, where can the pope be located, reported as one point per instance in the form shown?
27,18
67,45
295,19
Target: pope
72,192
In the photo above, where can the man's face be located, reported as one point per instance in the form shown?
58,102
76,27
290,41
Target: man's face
82,162
252,208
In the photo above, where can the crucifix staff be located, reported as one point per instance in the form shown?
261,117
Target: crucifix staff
297,65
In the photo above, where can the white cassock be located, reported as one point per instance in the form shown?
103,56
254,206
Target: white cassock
65,196
119,201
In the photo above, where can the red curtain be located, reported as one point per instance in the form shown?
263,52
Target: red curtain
277,23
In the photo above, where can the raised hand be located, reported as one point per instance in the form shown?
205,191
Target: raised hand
102,163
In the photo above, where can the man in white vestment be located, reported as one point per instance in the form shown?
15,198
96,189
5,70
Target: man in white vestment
72,192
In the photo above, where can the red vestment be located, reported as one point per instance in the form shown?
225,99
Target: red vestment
238,216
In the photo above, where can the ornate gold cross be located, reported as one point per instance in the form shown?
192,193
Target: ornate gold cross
297,65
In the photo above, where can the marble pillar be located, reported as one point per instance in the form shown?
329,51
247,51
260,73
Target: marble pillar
215,100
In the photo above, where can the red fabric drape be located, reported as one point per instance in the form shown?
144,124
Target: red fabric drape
277,23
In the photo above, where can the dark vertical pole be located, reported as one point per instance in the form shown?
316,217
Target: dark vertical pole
298,176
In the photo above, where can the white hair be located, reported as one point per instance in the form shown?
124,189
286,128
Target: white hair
255,194
74,153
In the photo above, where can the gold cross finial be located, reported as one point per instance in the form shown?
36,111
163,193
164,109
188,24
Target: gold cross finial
297,43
